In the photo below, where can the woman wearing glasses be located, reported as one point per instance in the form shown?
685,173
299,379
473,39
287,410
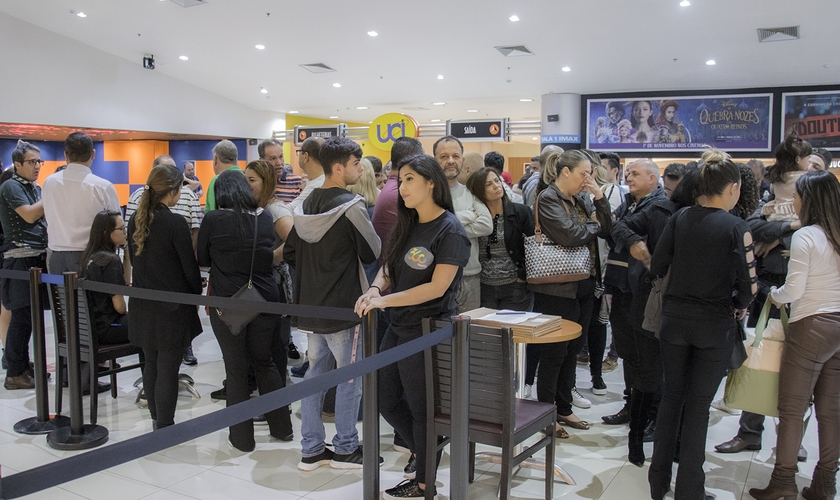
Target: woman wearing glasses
101,263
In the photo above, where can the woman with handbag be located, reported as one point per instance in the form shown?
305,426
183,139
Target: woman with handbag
236,241
811,356
502,253
161,250
565,211
712,281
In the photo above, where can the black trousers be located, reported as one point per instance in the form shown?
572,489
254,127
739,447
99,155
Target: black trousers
694,362
556,373
624,337
402,399
252,348
160,381
17,341
117,333
596,340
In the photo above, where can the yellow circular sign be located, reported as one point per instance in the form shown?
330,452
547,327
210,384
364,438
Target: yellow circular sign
389,127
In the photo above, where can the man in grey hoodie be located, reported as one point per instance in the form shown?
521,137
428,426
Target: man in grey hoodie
331,237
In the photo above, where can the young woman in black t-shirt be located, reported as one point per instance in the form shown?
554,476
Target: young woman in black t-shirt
423,268
100,262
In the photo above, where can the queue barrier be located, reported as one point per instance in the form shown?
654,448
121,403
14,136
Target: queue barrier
81,465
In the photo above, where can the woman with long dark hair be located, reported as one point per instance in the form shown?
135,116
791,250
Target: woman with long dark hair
100,262
565,212
793,158
162,255
225,243
811,357
428,251
710,256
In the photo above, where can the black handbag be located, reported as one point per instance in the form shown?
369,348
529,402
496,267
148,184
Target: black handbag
237,319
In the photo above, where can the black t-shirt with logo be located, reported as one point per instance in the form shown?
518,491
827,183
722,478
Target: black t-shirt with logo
441,241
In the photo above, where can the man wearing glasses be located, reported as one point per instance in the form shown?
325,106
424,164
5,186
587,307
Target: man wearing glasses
288,184
25,246
310,162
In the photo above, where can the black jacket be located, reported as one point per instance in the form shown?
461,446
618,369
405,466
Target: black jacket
773,266
519,223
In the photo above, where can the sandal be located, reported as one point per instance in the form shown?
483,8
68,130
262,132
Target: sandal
560,433
578,424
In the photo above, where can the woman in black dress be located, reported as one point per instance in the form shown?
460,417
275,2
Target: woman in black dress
161,251
225,243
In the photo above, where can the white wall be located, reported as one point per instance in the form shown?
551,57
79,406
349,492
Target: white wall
50,79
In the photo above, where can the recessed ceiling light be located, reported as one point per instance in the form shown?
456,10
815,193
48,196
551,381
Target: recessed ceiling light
259,47
685,3
438,104
293,112
361,107
264,90
336,85
435,120
566,69
333,117
514,18
183,58
472,111
526,100
373,33
535,138
81,14
710,62
440,77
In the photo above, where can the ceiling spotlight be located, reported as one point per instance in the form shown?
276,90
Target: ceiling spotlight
535,138
685,3
336,85
472,111
526,100
259,47
293,112
264,90
438,104
81,14
435,120
373,33
184,58
440,77
361,107
333,117
566,69
710,62
514,18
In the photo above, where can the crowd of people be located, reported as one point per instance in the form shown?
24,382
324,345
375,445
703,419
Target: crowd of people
432,235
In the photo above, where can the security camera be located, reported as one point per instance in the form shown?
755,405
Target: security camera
149,61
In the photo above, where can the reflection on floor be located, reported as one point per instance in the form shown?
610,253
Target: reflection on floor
209,468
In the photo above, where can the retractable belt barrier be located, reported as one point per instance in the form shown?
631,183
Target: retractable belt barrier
97,460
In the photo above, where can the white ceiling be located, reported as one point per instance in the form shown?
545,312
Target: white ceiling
611,45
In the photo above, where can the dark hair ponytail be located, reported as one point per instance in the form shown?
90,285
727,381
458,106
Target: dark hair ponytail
717,171
786,154
162,181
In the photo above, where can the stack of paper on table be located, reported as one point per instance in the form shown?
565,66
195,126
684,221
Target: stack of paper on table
523,324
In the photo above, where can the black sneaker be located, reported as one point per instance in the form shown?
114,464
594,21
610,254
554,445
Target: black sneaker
599,388
411,468
312,463
406,489
220,394
260,420
299,371
293,351
350,461
189,357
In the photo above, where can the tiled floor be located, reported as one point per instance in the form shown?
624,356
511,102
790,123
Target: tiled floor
209,468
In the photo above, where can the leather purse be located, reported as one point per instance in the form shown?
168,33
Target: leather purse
237,319
547,262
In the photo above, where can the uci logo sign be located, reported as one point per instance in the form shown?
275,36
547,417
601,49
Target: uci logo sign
389,127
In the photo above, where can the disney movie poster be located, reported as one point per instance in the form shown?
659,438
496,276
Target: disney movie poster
728,122
815,116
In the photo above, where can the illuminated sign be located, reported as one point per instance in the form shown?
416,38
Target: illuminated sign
323,131
478,130
389,127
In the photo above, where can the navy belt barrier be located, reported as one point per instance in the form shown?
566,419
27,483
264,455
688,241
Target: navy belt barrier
77,466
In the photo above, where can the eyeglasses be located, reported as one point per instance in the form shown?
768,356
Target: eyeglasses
121,228
34,162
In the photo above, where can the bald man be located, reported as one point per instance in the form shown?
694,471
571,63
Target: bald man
529,193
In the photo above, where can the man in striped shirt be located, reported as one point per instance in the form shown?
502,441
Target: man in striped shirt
288,184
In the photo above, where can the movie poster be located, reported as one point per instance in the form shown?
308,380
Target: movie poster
728,122
815,116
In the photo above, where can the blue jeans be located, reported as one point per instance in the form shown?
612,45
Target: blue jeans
324,349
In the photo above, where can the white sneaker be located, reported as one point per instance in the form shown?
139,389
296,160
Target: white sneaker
580,401
718,404
529,392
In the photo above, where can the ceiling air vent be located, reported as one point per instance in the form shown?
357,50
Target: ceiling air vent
514,50
189,3
317,68
778,34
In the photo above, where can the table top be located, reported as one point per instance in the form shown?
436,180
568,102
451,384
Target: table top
569,331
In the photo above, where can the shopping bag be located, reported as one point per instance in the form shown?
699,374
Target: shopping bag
754,386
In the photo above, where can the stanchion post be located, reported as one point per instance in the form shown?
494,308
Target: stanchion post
370,424
42,423
459,446
79,436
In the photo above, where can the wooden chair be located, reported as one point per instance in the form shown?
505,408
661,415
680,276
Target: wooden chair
90,350
496,416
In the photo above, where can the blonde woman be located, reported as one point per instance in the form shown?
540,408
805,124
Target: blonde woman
366,185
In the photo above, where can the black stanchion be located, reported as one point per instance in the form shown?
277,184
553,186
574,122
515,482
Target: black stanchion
43,422
370,424
78,436
459,459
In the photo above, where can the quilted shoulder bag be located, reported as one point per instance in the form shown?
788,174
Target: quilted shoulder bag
547,262
237,319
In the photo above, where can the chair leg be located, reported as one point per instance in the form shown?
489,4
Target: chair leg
549,463
472,462
431,457
507,472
